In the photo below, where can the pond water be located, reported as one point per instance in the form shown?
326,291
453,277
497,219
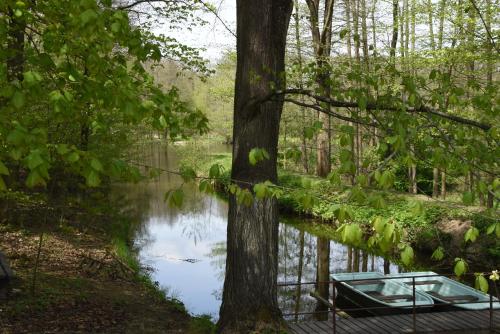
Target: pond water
185,248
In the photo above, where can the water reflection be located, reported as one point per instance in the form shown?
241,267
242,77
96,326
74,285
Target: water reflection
187,248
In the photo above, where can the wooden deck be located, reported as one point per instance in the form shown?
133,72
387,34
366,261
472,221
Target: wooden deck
440,322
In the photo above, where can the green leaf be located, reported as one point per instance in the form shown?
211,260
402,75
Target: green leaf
31,77
256,155
460,267
175,198
115,27
386,180
438,254
334,178
389,231
481,283
352,234
215,171
206,187
3,169
88,16
93,179
244,196
471,234
35,179
18,100
407,255
468,198
33,160
379,224
96,165
73,157
362,102
187,173
3,187
492,228
62,149
260,190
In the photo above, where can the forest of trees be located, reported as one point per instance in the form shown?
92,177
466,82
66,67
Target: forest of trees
373,95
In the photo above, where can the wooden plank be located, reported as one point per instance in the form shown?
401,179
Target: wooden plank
450,321
365,326
387,327
434,319
467,321
343,326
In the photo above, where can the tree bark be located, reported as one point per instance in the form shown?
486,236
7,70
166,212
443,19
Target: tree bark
431,24
395,27
442,7
249,301
374,32
322,40
298,44
435,182
443,184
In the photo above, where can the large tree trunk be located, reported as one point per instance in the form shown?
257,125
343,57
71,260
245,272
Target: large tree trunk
249,301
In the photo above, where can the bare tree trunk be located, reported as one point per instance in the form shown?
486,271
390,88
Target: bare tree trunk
347,4
322,276
431,24
442,7
435,182
322,40
305,157
364,35
407,29
374,32
249,301
412,177
395,27
482,200
443,184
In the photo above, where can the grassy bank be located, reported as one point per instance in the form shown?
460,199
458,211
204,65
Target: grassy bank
78,272
427,223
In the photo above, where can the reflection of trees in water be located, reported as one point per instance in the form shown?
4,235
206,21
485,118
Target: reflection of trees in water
198,211
217,257
298,254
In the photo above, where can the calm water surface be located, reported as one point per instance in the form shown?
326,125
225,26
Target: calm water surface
186,248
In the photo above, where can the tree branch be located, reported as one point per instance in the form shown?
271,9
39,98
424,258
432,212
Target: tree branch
373,106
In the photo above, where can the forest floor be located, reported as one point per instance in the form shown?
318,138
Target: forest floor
83,285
